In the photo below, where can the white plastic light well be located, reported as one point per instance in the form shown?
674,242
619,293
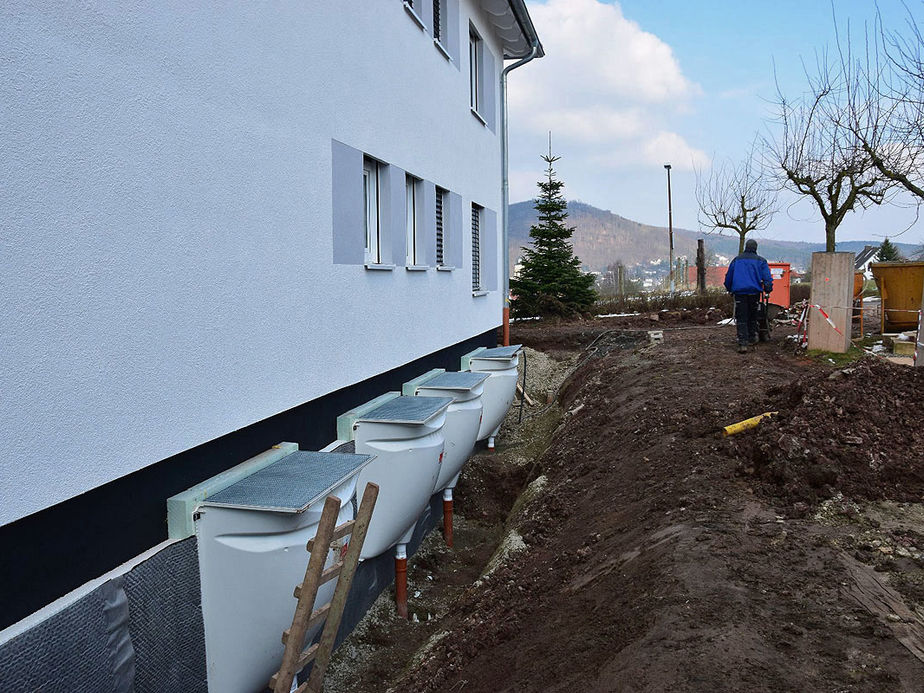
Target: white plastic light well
405,435
463,418
252,540
500,364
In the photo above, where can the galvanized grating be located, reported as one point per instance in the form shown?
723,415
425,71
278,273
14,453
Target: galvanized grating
499,352
408,410
461,380
292,484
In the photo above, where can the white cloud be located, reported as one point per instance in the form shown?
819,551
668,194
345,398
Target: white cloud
594,52
610,93
671,147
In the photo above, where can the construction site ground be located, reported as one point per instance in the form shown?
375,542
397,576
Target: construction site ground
614,541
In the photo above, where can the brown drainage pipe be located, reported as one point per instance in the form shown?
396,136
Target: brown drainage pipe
401,579
447,516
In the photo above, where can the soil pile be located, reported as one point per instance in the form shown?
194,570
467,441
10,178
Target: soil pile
640,559
855,431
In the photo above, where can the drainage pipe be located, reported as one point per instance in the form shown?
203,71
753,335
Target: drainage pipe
447,516
401,579
505,194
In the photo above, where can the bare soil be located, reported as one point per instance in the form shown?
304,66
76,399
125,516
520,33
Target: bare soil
646,553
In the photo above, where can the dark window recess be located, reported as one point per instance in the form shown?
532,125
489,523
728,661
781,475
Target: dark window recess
476,248
439,227
437,20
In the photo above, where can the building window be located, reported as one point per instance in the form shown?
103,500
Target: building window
412,187
371,205
440,227
476,247
474,69
438,19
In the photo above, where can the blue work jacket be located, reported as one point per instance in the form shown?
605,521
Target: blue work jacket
748,274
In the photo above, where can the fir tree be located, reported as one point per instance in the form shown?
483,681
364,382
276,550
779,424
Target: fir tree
550,281
888,252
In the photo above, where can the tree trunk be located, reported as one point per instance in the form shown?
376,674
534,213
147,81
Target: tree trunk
741,241
829,237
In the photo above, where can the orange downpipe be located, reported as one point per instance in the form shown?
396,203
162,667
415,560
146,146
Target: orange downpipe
506,329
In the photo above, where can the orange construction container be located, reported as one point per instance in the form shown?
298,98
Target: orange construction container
900,286
780,271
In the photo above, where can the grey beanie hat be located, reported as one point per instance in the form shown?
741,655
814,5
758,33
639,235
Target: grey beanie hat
750,246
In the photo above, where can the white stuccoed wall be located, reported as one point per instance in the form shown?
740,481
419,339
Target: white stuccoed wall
166,270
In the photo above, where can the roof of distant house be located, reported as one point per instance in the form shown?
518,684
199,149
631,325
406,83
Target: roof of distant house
513,25
868,253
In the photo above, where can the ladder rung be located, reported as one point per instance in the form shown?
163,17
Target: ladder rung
340,531
331,572
328,575
307,656
316,617
319,615
302,661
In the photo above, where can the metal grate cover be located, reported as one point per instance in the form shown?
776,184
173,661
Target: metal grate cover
460,380
499,352
292,484
407,410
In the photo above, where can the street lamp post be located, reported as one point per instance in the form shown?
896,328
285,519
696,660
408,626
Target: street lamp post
670,226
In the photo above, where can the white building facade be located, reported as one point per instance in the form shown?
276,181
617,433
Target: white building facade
223,225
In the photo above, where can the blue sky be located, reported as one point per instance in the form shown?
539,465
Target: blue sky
628,86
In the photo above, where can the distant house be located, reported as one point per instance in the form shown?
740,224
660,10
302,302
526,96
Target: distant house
226,224
864,258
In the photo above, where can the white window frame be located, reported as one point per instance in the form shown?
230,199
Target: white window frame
372,212
475,78
409,7
412,244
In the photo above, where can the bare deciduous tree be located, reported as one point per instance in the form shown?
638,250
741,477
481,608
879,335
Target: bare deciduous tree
887,104
736,197
820,155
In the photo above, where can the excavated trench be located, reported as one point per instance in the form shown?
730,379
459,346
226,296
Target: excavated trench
648,554
493,489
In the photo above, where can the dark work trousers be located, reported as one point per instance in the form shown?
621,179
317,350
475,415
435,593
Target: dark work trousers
746,317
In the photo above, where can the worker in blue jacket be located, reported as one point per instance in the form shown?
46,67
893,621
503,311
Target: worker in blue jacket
747,277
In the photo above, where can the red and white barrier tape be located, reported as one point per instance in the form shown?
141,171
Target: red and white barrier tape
826,317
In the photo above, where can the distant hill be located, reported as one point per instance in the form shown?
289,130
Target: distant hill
601,238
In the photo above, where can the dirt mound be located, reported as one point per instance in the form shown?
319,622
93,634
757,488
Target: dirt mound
637,559
856,431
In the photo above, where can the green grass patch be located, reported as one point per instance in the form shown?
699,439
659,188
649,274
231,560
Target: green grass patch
837,360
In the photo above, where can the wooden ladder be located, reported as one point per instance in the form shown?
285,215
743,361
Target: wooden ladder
294,659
